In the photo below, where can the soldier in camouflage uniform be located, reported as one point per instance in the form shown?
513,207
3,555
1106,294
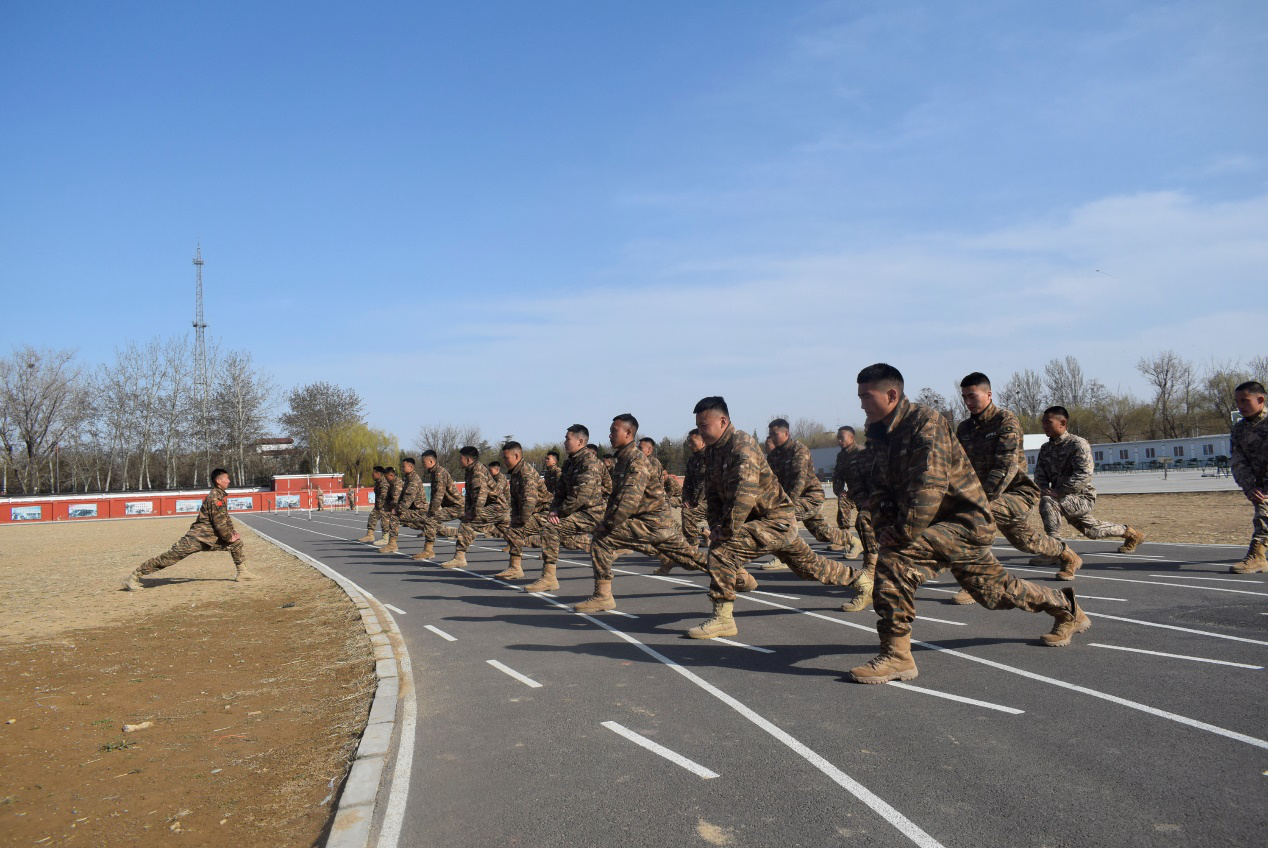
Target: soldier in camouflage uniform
749,515
673,490
552,471
931,514
795,470
499,493
848,517
212,530
529,504
636,517
694,507
411,505
648,446
1063,473
1250,470
395,486
992,439
445,504
479,510
377,516
576,508
849,482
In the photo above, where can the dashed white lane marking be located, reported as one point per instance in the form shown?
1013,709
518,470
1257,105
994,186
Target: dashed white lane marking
522,678
1181,629
775,595
960,698
666,579
396,610
941,620
741,645
442,634
1175,656
623,614
1216,579
656,748
1117,555
1084,576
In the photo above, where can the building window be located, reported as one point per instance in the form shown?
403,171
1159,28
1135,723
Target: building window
1100,456
1178,450
1149,453
1122,454
1208,450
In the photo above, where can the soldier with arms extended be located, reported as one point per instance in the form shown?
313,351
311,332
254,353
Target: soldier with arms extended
576,507
445,504
636,517
1250,469
749,515
377,516
410,508
212,530
795,470
931,514
1063,473
529,504
992,438
479,511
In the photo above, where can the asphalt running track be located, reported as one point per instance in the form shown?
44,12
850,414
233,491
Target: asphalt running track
540,727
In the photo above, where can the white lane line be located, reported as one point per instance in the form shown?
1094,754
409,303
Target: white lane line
941,620
1086,576
1083,597
1117,555
506,669
623,614
776,595
673,756
1216,579
963,700
442,634
1181,629
396,610
668,579
950,591
1175,656
741,645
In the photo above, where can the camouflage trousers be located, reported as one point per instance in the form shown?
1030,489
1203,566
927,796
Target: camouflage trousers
663,542
847,512
190,544
1260,524
692,518
863,525
377,518
1077,510
808,515
481,522
900,571
1012,513
412,518
572,531
434,521
517,535
726,558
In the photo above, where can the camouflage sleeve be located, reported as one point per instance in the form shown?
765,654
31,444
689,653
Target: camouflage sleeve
625,500
838,473
437,490
744,480
1240,461
586,488
1041,467
527,501
1081,470
220,519
690,481
1004,464
799,480
927,480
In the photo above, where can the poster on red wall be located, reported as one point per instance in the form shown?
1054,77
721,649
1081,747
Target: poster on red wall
188,504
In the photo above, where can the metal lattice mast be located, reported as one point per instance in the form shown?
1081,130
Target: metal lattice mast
202,381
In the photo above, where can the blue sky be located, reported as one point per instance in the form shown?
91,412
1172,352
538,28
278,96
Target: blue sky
523,215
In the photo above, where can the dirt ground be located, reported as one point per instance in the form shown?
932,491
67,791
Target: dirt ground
257,692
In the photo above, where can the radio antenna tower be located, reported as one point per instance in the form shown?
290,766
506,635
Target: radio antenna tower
202,381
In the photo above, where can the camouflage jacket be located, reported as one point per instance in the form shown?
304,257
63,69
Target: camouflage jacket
635,492
740,486
1250,452
920,476
499,491
841,470
380,491
213,523
605,484
795,470
673,489
1065,465
394,489
444,491
528,493
693,481
993,441
476,489
413,495
551,475
580,485
658,470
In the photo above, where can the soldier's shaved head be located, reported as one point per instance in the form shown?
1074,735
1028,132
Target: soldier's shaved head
715,403
975,391
712,418
407,463
880,390
1249,397
512,447
1253,387
470,451
1055,421
778,424
623,430
977,378
217,474
629,420
427,453
881,375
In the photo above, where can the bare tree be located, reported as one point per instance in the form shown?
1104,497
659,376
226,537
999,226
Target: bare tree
1258,368
43,393
806,429
446,440
1023,394
317,408
1218,385
1119,417
929,397
243,399
1174,390
176,407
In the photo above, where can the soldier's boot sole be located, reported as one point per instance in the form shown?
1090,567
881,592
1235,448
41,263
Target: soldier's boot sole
1067,624
836,548
368,537
1070,563
1131,541
429,550
963,598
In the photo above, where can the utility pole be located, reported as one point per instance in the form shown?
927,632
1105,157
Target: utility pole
202,381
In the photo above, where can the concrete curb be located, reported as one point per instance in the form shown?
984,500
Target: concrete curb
359,798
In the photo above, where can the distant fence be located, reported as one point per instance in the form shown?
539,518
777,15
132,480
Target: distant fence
101,507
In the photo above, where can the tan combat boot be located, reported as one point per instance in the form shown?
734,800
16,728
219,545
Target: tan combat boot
368,537
427,552
963,598
545,583
133,583
506,549
774,565
1067,623
1255,560
1131,539
721,624
863,585
459,561
513,570
601,599
855,547
745,582
1070,563
893,663
389,548
380,543
244,573
666,565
